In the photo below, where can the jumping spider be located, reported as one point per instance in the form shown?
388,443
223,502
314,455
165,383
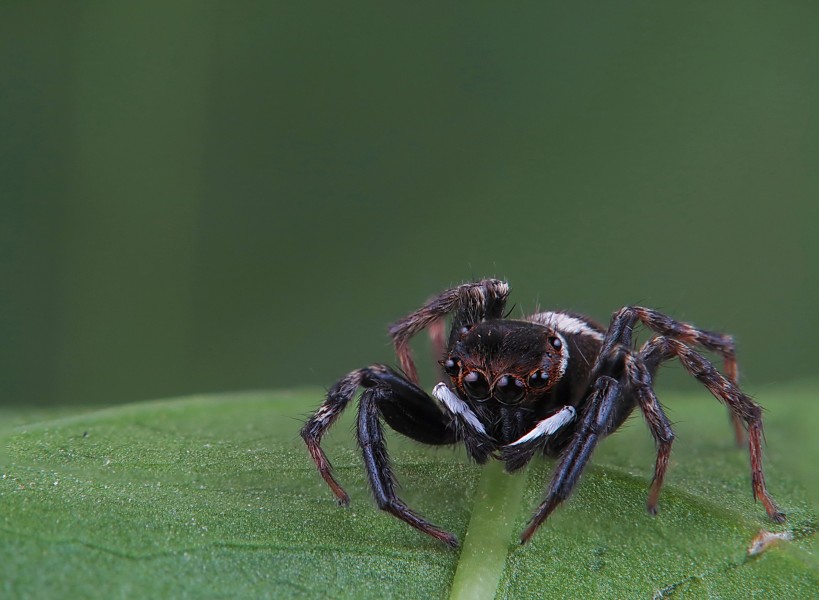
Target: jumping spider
554,382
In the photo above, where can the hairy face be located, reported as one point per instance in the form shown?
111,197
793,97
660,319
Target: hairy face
509,362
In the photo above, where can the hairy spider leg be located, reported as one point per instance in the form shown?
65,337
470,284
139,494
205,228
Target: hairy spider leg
661,348
316,426
595,424
622,325
377,465
406,408
640,380
469,304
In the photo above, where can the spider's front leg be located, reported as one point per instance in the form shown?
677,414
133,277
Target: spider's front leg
469,304
379,471
407,409
595,424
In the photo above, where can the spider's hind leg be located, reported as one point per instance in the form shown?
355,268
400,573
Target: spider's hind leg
661,348
640,380
623,322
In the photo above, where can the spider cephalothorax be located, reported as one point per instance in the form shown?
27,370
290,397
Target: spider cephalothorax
553,383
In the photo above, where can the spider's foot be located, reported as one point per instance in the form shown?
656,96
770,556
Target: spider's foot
653,499
341,496
541,514
774,514
778,517
447,538
528,533
439,534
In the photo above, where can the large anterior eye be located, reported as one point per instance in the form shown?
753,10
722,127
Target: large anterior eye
509,390
538,379
476,385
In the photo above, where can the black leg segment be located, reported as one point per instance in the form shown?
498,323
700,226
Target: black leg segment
379,470
622,326
406,408
594,426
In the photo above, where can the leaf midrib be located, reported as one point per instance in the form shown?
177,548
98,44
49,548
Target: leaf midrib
488,535
491,536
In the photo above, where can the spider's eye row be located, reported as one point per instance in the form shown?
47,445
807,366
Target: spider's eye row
539,379
476,385
555,342
509,390
452,367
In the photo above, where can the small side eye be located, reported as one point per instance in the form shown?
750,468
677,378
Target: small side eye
555,342
465,329
539,379
452,367
476,385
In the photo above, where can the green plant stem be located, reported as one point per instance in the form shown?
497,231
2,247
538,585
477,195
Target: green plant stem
489,535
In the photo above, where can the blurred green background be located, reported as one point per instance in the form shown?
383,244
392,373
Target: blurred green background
203,196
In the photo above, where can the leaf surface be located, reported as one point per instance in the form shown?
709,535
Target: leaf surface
215,496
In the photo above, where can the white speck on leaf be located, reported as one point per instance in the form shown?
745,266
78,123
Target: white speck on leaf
765,539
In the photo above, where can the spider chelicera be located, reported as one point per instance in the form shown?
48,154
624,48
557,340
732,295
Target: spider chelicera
554,382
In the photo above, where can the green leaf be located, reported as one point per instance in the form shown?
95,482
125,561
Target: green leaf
215,496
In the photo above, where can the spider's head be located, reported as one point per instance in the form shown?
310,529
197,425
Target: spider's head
510,362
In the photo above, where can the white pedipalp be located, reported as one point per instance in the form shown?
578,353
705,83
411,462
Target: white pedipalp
457,407
549,426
